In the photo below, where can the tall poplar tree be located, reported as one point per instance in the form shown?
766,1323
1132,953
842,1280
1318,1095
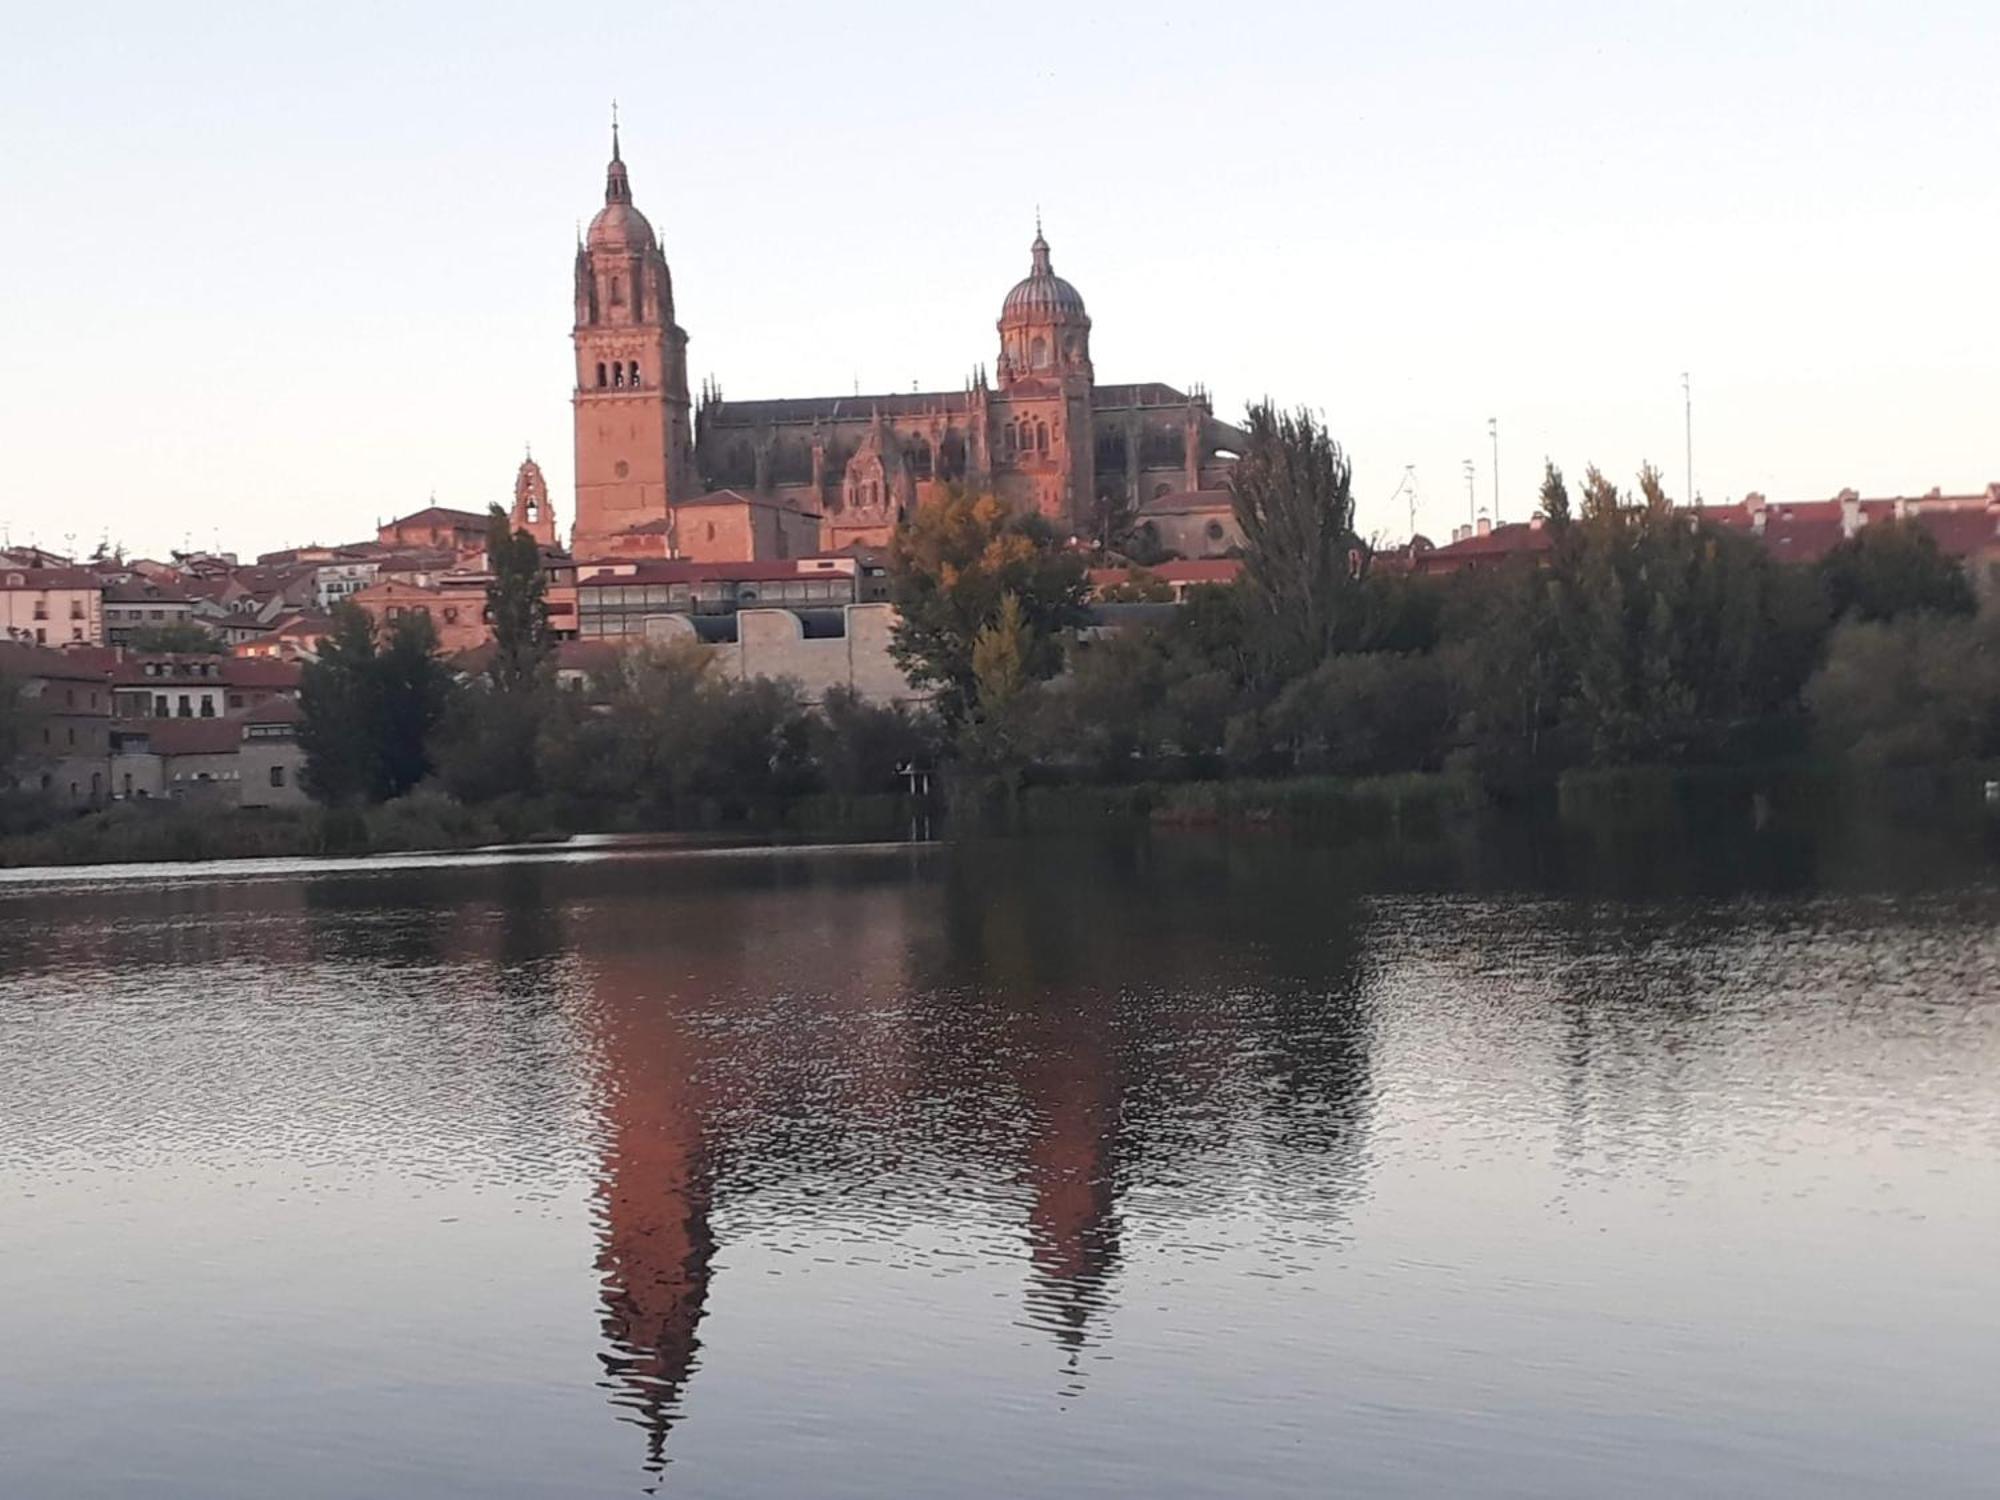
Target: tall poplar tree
1292,494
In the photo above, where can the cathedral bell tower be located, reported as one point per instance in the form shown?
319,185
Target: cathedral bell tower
632,431
1041,444
531,505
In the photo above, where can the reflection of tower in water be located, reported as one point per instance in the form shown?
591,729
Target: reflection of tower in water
1071,1171
656,1191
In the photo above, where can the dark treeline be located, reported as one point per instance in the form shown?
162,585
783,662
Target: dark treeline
1643,635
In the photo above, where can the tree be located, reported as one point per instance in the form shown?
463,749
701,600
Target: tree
1555,496
951,566
1924,688
490,745
1893,568
515,605
413,695
861,746
1291,491
370,707
339,712
179,635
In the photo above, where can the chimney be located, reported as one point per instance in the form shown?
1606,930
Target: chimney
1850,513
1486,526
1758,515
1536,521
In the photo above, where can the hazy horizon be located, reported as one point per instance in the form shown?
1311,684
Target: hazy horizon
276,275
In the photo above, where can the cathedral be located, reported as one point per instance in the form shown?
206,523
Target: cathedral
657,475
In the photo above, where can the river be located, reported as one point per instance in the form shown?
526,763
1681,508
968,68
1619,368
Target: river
1172,1165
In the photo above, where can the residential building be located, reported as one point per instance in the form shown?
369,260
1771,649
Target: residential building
51,606
67,741
141,604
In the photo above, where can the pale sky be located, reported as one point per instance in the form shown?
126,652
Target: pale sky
273,271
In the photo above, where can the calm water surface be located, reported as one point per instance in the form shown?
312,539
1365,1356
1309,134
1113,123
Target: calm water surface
1171,1167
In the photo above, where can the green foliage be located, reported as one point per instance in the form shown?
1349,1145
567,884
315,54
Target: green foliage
371,707
1922,689
1893,568
675,742
952,564
515,606
185,636
1295,507
1365,714
861,747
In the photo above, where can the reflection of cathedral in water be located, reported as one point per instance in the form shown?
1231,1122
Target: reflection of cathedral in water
979,1035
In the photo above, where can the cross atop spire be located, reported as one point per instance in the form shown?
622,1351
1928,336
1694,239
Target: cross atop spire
617,185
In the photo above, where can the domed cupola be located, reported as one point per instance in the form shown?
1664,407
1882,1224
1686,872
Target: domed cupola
1044,330
619,228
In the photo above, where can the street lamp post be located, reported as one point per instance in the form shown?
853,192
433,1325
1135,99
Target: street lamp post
1687,413
1471,499
1493,431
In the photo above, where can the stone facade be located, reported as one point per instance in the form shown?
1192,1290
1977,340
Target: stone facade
1043,434
633,437
818,650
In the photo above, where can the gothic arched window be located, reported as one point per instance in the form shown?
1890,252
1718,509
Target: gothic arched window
601,376
1038,354
1041,437
632,379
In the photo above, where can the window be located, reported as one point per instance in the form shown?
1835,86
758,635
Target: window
277,776
600,375
1215,531
207,706
632,375
186,707
1041,437
1038,354
76,609
235,700
159,705
450,616
617,375
41,609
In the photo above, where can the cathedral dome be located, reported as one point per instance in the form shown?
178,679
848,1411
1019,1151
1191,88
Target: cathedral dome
618,225
1042,296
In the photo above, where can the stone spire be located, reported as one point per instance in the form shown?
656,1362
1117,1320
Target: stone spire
617,186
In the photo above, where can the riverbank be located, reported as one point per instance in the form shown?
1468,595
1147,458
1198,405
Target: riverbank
164,832
1413,806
